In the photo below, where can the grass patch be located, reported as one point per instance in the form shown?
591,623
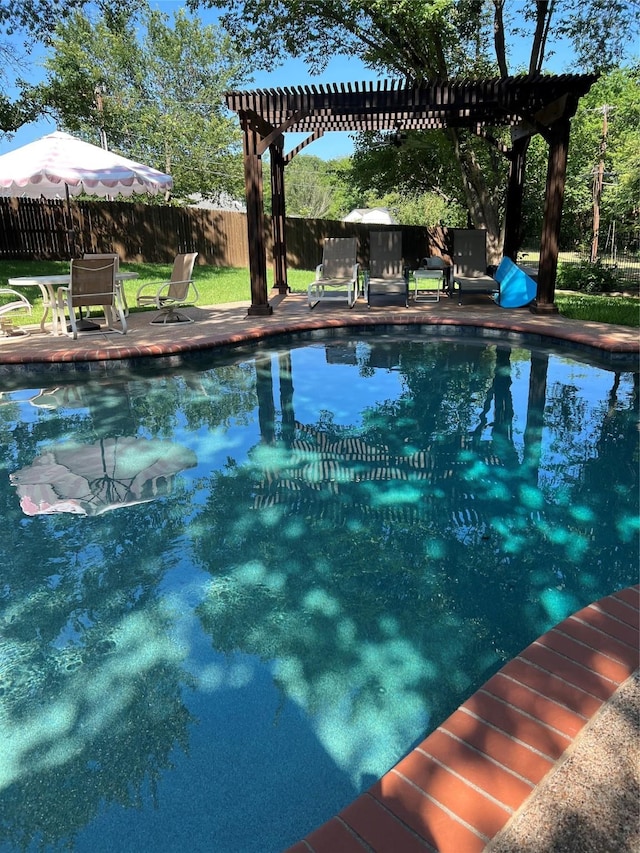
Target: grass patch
622,310
220,285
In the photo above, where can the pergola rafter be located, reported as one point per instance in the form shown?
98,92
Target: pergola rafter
528,105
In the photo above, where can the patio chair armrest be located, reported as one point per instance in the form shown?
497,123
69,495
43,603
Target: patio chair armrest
160,293
319,272
20,301
167,284
151,298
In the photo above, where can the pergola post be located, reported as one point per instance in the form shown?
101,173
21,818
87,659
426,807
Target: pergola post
558,138
266,405
278,216
515,192
255,219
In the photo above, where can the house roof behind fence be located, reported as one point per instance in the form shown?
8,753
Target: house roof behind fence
535,100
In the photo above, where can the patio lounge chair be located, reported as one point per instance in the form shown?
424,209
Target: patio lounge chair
93,282
18,302
168,296
387,277
337,275
470,271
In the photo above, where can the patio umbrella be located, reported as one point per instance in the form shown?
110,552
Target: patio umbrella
95,478
59,165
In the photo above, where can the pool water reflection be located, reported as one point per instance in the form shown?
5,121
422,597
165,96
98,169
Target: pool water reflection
338,543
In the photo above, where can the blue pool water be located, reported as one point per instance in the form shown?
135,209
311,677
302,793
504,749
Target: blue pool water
235,593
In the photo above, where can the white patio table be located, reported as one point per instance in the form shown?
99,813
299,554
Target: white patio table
49,285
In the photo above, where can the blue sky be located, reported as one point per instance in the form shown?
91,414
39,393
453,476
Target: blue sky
291,73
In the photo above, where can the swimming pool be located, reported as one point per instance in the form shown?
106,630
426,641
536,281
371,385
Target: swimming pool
262,580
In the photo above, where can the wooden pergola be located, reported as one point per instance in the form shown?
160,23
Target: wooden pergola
528,105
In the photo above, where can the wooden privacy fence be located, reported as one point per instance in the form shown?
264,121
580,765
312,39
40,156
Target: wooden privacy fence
58,230
144,233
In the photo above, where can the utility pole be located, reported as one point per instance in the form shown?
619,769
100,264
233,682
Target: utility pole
598,181
98,92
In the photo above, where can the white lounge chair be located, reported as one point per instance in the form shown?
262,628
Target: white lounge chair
337,275
168,296
17,302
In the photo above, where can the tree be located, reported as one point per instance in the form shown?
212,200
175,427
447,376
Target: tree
37,19
616,93
309,189
428,209
420,39
319,189
13,114
34,21
154,91
416,178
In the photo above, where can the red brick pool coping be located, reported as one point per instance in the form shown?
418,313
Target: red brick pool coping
230,325
456,790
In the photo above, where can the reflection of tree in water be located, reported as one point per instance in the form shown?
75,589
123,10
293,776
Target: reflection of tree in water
90,679
617,450
425,537
406,557
210,398
104,758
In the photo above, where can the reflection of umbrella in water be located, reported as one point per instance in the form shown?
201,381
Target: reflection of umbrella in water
92,479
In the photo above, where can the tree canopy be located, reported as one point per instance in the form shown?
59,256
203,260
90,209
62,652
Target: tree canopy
615,95
155,90
433,38
25,23
154,86
37,19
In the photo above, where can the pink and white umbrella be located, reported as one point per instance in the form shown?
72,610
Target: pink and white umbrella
58,165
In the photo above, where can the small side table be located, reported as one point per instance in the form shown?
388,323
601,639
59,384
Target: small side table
428,283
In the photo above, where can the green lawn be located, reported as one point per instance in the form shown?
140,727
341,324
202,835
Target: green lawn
217,285
623,310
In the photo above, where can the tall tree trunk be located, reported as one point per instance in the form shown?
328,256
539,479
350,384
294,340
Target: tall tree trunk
482,209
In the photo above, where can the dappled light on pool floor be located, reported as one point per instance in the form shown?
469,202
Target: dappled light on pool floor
236,594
